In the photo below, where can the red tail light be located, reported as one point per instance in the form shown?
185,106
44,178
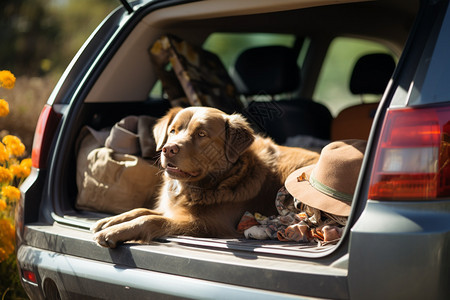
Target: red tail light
43,136
413,156
29,276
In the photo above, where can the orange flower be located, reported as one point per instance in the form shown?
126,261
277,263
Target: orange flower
19,171
11,193
6,239
13,145
2,205
4,108
5,175
4,156
26,163
7,79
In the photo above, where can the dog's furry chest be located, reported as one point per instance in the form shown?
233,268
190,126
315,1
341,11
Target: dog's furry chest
170,198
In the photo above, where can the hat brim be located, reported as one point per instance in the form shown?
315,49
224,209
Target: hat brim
307,194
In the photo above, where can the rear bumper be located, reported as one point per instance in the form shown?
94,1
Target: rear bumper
67,259
79,277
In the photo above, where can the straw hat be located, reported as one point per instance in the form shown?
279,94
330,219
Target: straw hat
329,184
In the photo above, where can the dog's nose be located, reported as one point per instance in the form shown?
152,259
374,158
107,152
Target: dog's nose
170,150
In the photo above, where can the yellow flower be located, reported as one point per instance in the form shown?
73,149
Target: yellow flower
13,145
4,108
6,239
11,193
7,79
4,156
2,205
19,171
5,175
26,163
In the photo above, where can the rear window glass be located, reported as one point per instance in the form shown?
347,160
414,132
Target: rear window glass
228,46
431,83
333,85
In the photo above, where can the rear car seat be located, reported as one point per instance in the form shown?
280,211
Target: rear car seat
273,71
370,75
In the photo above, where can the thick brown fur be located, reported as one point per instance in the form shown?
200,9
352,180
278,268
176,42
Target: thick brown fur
216,168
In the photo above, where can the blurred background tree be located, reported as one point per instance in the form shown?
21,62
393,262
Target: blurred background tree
27,30
40,37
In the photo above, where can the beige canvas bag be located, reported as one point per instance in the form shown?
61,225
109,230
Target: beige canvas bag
109,181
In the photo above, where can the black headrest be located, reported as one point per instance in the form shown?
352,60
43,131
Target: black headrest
371,74
270,70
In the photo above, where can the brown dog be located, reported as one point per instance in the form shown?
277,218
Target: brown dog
216,168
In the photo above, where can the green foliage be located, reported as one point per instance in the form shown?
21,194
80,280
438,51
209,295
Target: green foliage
41,36
10,287
26,31
78,19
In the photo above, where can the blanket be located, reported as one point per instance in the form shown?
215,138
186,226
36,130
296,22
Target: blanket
296,222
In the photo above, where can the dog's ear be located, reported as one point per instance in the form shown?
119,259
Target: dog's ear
160,128
238,137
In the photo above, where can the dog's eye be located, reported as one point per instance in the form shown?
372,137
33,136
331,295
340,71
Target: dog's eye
172,131
202,133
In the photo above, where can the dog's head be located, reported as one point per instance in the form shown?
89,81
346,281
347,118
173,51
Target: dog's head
199,141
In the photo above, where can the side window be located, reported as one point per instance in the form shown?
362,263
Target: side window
333,85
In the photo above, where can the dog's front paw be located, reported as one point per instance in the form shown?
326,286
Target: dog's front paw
101,224
106,238
109,233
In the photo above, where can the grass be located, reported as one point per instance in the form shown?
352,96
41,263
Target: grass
10,287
